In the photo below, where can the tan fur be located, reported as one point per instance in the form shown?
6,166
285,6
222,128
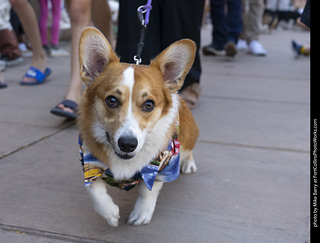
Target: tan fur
105,123
157,82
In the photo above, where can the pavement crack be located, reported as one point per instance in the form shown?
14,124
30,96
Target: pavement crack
49,234
255,100
254,146
15,150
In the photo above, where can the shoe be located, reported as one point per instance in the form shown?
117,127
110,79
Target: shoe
36,74
26,52
212,50
242,45
68,104
296,47
231,49
12,62
256,48
56,51
3,85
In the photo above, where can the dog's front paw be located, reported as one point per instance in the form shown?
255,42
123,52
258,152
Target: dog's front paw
113,216
188,166
140,216
109,213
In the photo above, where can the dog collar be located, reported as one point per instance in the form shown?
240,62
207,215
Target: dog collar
165,167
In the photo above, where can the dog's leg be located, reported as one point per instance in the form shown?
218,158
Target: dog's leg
187,164
103,203
145,204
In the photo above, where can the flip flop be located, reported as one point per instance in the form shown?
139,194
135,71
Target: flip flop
36,74
69,104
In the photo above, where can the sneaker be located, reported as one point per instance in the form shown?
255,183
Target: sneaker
296,47
56,51
212,50
231,49
256,48
12,62
26,52
242,45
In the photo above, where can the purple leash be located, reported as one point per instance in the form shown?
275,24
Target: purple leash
146,9
143,15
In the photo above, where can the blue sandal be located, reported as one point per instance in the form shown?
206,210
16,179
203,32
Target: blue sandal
36,74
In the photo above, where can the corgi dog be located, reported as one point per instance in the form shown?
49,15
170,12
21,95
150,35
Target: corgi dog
134,127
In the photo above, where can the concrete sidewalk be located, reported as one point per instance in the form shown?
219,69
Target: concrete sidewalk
252,183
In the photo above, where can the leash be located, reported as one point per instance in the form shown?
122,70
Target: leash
143,15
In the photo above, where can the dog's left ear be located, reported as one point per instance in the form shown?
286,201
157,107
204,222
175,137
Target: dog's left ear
175,62
95,53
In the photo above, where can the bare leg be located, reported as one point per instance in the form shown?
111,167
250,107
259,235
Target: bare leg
80,16
101,17
29,22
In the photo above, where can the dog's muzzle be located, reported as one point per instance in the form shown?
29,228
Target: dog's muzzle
127,146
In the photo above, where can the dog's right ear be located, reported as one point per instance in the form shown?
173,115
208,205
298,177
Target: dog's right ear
95,53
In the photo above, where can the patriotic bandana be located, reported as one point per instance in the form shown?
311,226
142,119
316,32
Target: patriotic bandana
165,167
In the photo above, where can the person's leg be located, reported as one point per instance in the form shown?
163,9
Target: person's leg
101,17
256,8
55,28
29,22
243,34
182,19
234,20
218,18
43,21
80,16
234,26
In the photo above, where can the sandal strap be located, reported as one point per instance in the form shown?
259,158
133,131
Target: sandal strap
69,104
34,73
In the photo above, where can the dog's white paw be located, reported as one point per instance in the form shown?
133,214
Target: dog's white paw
112,216
188,166
110,212
140,216
103,203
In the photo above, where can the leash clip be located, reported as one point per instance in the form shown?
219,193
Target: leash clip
144,9
143,15
137,60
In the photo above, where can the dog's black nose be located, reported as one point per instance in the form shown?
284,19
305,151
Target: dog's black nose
127,144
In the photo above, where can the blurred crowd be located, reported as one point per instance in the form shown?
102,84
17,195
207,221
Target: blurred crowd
34,29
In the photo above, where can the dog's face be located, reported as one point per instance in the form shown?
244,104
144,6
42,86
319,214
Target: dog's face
127,106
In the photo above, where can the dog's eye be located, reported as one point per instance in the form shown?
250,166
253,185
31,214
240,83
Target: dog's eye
112,102
148,106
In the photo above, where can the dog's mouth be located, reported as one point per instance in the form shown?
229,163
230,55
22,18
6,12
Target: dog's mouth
124,156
